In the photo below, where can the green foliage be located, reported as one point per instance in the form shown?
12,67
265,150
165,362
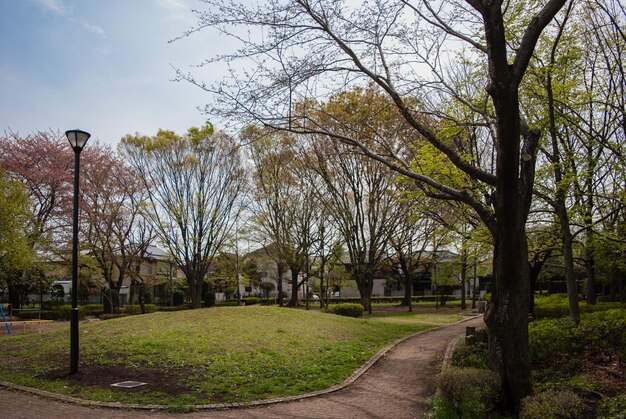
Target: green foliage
346,309
553,404
468,392
471,356
251,300
209,299
94,309
597,333
65,310
15,252
111,301
51,305
172,308
178,298
612,408
556,306
136,309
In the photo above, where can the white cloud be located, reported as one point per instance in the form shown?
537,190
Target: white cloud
55,6
94,28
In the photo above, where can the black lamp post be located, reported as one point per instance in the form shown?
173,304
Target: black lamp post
77,139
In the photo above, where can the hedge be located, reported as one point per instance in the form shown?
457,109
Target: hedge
556,310
346,309
397,299
136,309
61,313
172,308
251,300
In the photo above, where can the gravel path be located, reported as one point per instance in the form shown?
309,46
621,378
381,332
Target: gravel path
398,386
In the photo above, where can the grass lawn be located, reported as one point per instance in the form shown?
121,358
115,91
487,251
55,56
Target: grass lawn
228,354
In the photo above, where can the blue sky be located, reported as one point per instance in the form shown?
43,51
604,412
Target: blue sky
104,66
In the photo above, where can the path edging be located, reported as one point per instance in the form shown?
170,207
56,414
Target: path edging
221,406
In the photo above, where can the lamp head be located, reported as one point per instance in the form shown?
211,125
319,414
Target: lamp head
77,138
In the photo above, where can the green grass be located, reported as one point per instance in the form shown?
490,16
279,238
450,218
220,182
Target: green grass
229,354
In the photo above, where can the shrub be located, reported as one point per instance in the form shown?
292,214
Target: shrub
94,309
65,310
346,309
34,315
110,301
178,298
226,303
209,299
553,404
612,408
109,316
136,309
469,392
51,305
598,332
251,300
172,308
471,356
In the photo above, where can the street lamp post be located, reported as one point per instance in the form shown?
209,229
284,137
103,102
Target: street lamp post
77,139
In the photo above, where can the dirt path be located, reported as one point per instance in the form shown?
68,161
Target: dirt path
398,386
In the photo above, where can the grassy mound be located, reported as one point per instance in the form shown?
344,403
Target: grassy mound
229,354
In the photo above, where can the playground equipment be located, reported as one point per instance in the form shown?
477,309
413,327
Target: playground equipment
4,319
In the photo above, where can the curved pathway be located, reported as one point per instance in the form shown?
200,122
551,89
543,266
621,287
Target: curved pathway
398,386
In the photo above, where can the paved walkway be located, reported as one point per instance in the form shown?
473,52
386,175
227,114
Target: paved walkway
398,386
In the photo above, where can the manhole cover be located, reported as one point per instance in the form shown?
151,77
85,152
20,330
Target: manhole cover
129,384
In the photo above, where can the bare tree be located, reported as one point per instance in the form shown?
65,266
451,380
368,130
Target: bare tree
196,184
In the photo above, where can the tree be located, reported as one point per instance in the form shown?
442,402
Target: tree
393,44
116,229
284,206
42,161
359,193
196,184
16,255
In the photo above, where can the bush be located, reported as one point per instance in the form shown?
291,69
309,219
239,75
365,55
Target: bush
598,332
551,308
51,305
613,408
468,392
471,356
136,309
178,298
110,301
109,316
226,303
251,300
172,308
94,309
346,309
65,310
209,299
553,404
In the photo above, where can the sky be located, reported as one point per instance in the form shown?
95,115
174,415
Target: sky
103,66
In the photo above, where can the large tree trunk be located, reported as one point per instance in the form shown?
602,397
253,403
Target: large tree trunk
507,315
365,283
293,301
280,270
194,290
568,259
